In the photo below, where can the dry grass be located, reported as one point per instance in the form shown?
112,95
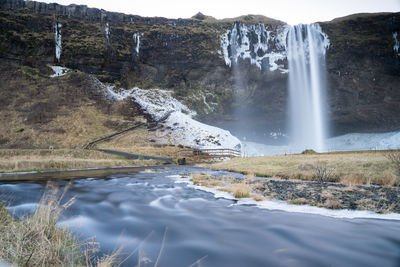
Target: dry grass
351,179
299,201
13,160
257,197
37,241
333,203
225,184
238,190
65,131
141,142
371,167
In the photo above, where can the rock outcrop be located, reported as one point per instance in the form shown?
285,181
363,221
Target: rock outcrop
193,57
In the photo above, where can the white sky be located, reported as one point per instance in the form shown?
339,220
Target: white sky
290,11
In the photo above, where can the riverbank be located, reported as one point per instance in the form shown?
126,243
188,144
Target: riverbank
329,195
343,180
348,168
25,160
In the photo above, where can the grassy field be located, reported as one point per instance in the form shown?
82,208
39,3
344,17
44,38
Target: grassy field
16,160
366,167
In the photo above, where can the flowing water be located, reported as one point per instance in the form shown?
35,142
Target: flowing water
307,86
126,206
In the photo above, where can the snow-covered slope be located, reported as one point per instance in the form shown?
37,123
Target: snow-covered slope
347,142
179,128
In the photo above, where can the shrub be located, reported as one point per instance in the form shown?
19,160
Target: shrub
322,173
394,158
308,151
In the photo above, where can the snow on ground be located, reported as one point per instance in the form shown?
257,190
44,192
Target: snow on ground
179,128
347,142
59,71
365,141
189,132
158,103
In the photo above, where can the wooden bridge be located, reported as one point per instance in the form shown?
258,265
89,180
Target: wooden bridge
208,153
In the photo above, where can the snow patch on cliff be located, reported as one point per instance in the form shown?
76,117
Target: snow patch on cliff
264,47
179,127
57,31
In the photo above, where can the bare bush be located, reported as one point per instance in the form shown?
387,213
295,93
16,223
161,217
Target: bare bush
394,158
322,173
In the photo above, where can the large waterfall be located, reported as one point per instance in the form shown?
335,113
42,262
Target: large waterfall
306,47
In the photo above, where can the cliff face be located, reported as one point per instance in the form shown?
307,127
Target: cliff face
364,72
205,61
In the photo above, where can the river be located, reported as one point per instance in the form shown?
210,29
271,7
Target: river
134,208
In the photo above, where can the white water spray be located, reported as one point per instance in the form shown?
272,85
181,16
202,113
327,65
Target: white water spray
307,45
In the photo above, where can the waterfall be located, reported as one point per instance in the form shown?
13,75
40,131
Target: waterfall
57,32
306,46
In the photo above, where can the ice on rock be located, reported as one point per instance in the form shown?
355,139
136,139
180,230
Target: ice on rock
396,44
136,37
256,42
107,30
57,31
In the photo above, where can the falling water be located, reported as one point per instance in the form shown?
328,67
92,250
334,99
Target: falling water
307,86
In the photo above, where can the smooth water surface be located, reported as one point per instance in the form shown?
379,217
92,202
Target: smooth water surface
136,208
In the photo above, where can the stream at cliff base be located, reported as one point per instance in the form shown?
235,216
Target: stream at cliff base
136,209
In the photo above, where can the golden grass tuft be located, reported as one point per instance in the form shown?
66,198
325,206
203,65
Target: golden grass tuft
257,197
240,190
326,195
333,204
37,241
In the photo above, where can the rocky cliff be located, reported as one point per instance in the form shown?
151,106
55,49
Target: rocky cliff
228,70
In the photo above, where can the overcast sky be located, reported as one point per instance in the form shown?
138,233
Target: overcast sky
290,11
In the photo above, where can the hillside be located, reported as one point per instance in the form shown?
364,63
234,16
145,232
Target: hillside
189,57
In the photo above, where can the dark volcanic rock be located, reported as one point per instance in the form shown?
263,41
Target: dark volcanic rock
364,72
